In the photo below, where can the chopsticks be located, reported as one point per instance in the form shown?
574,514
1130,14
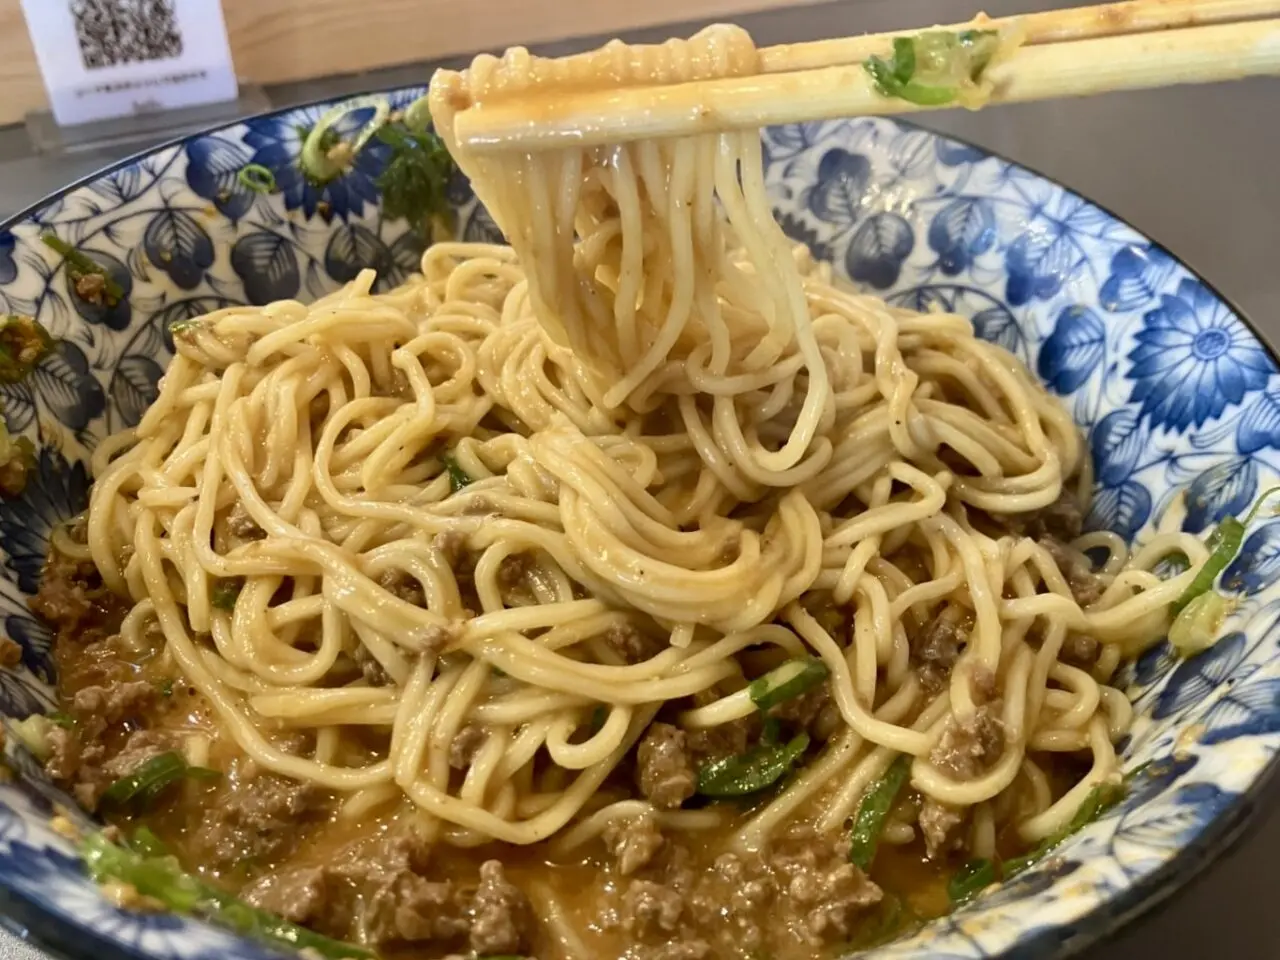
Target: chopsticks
1049,26
1067,53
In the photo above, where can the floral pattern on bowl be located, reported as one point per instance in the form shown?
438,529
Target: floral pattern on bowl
1174,392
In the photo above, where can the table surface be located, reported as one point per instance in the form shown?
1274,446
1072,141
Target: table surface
1194,168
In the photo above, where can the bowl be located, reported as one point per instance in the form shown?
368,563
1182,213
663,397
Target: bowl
1174,391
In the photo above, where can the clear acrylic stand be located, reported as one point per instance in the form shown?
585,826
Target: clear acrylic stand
140,129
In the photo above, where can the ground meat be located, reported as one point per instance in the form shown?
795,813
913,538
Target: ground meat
142,745
13,475
501,918
824,887
373,672
664,768
804,709
466,743
1063,519
935,650
403,586
967,750
1080,651
91,288
412,908
804,884
299,896
64,754
1086,586
984,687
380,889
725,740
630,643
634,843
242,526
258,817
74,600
98,707
478,505
938,822
514,573
732,896
10,653
85,767
435,639
650,909
452,544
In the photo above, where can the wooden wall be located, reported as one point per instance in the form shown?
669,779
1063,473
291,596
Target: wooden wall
279,40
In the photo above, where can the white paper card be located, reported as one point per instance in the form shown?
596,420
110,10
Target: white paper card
112,58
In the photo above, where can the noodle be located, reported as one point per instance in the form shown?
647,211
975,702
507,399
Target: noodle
678,432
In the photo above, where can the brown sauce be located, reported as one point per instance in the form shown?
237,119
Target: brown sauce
375,880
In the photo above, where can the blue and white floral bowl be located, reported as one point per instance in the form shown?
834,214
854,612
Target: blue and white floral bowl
1170,385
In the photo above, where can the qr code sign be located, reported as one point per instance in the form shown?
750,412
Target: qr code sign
114,32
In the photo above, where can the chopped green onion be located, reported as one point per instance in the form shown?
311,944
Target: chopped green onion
17,460
787,681
225,593
1196,628
458,478
162,879
23,344
1224,543
256,177
771,731
1098,801
752,771
934,67
60,718
970,880
79,265
1262,498
145,785
891,917
598,716
324,157
873,811
33,731
147,843
165,687
417,116
1225,539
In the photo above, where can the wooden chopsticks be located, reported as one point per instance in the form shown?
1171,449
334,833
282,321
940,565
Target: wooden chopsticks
1068,53
1050,26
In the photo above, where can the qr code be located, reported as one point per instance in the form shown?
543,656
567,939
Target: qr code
112,32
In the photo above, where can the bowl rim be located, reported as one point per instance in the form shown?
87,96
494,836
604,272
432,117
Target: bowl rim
1139,902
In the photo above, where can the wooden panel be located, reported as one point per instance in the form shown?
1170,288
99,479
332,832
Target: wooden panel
278,40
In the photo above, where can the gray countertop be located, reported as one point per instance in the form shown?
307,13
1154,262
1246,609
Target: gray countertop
1195,168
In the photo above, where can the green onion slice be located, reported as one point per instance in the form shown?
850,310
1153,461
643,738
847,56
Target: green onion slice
162,879
78,264
874,809
750,772
458,478
225,593
1098,801
256,177
786,682
145,785
970,880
